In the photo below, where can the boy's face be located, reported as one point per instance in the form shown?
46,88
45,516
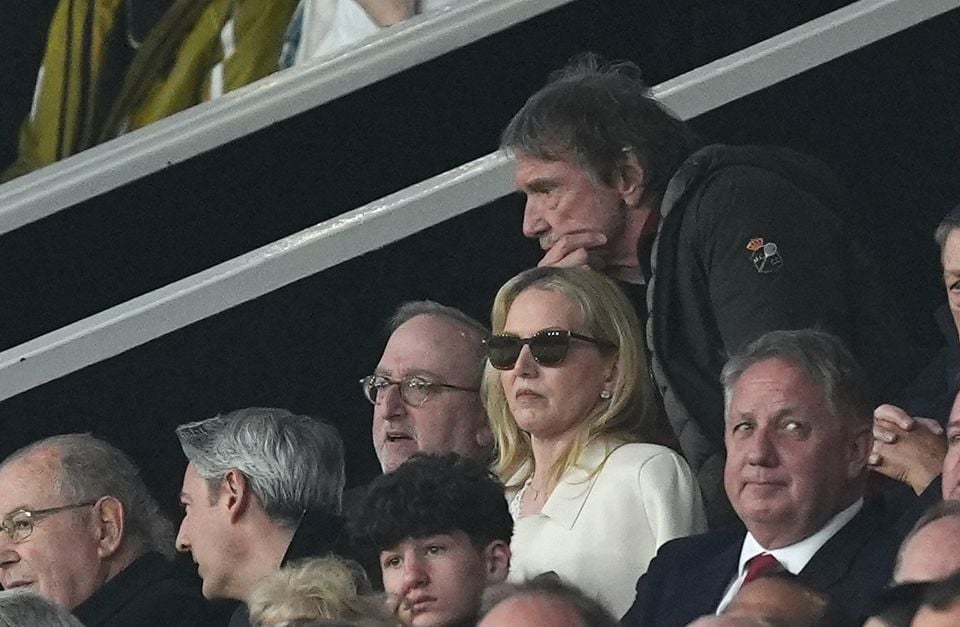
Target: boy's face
437,581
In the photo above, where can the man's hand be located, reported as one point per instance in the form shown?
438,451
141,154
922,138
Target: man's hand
576,250
905,448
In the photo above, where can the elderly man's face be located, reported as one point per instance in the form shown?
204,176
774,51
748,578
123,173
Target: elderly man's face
932,553
562,200
438,350
790,462
61,559
951,463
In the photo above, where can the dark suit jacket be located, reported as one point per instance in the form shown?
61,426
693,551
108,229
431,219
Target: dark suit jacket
146,593
689,576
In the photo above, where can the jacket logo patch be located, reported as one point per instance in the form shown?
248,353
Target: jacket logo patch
764,255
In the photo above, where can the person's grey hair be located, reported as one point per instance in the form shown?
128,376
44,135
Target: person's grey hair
411,309
939,511
89,468
950,223
595,114
823,357
22,607
590,611
292,463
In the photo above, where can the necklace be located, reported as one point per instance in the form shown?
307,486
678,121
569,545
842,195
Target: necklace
516,504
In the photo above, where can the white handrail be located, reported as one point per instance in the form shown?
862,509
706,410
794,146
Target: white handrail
256,106
399,215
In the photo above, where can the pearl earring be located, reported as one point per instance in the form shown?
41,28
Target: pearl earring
606,394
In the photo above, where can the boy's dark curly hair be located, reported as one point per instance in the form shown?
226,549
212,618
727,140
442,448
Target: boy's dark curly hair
433,494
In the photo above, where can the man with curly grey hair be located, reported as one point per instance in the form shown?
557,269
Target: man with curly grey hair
79,528
262,486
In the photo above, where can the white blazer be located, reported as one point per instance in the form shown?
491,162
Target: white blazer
600,534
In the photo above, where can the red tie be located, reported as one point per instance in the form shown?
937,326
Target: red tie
759,565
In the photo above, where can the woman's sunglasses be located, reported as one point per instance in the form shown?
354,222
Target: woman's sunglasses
548,347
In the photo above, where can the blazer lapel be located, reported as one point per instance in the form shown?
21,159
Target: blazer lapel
713,578
835,558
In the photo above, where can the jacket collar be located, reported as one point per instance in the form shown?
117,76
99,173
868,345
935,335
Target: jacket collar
568,498
317,534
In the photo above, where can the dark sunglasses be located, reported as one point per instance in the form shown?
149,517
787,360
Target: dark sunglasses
548,347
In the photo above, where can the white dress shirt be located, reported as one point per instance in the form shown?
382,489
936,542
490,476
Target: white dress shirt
794,557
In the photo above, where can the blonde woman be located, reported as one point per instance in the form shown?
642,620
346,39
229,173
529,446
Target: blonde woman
570,402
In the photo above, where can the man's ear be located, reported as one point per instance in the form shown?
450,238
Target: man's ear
235,493
631,182
497,561
108,522
861,443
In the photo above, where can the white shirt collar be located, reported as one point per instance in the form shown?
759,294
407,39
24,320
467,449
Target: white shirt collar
793,557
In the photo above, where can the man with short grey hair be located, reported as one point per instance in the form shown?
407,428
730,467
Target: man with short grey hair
80,528
425,389
798,434
262,487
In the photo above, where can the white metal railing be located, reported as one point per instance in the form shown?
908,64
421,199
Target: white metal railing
399,215
256,106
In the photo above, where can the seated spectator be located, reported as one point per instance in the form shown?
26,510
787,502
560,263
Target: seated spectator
442,530
314,588
932,393
425,389
20,608
748,239
941,604
782,599
425,392
262,488
570,404
798,418
112,66
901,451
80,529
931,550
897,606
542,601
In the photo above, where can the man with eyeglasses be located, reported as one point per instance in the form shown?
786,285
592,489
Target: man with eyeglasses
425,389
79,528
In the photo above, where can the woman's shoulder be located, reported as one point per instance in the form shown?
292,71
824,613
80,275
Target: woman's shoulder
640,452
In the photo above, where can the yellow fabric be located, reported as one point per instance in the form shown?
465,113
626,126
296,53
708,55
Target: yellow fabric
170,71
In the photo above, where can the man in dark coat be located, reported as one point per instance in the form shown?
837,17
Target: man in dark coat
81,529
798,435
262,487
720,244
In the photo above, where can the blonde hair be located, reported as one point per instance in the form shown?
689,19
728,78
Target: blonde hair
316,588
629,415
